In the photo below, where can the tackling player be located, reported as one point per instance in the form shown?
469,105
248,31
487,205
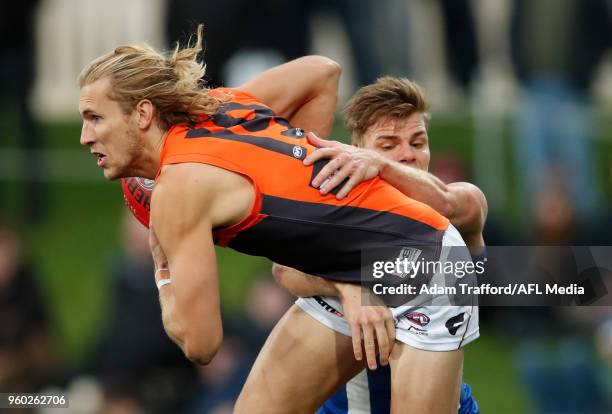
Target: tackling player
394,146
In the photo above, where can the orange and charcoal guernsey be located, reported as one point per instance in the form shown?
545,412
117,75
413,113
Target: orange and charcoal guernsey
291,223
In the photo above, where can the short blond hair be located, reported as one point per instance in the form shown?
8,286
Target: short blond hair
172,81
387,97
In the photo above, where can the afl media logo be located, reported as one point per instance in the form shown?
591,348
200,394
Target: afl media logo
145,183
298,151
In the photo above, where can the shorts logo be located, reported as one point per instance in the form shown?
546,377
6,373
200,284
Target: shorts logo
416,331
454,323
418,318
145,183
329,308
408,255
297,152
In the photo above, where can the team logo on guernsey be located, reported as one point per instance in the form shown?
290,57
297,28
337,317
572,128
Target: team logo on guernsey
145,183
408,255
298,151
418,318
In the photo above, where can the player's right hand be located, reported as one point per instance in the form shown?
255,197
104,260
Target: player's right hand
372,322
345,162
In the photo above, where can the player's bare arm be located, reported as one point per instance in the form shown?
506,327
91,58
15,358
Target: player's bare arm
372,323
462,203
301,284
304,91
188,202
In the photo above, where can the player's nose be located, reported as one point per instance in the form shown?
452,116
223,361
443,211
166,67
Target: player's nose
407,155
87,138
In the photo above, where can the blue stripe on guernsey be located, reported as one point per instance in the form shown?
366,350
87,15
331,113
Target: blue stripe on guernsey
467,403
337,404
380,397
379,382
368,392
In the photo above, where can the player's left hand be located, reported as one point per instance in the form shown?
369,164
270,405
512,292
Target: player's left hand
357,164
375,322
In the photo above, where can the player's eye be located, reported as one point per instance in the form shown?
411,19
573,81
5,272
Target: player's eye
94,118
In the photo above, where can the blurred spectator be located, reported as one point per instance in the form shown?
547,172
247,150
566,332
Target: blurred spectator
232,25
140,368
239,26
460,37
554,220
564,372
554,356
266,304
378,36
245,334
222,380
27,357
448,167
16,77
603,342
557,47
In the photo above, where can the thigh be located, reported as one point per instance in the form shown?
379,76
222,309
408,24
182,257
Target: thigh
301,364
425,382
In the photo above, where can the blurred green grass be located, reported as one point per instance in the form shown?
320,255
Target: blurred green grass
72,248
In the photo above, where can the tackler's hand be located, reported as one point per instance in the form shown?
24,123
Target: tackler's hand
346,161
375,322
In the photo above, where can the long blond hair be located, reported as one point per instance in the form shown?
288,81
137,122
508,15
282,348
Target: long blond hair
172,81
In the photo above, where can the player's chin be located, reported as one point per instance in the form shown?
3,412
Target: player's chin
113,174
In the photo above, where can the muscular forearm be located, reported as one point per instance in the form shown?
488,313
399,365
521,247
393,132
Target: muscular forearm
301,284
171,325
420,185
462,203
199,341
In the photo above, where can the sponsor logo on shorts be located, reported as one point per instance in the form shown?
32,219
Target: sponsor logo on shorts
329,308
418,318
417,331
418,322
454,323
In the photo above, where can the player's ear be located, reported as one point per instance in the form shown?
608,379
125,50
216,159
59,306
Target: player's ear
145,112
